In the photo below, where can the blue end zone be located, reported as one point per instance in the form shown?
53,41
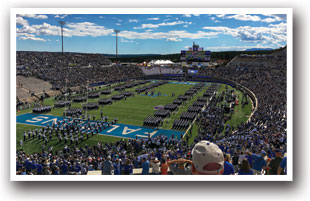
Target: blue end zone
116,130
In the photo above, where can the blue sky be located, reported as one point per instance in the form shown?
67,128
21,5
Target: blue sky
149,33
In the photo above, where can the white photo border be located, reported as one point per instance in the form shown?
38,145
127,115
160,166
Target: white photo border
287,11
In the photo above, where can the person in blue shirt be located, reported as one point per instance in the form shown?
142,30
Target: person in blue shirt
18,165
250,159
28,165
135,163
33,166
64,169
128,169
145,166
283,165
259,162
39,169
117,167
77,168
57,172
228,167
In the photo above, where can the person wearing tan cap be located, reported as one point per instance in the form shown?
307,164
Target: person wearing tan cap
207,159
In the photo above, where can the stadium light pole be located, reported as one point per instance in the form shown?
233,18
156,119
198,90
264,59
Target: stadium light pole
116,50
62,23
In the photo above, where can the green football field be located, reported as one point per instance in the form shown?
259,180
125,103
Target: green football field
131,111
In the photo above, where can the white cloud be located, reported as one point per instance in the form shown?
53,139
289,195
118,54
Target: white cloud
60,16
173,23
73,29
86,29
186,15
118,24
244,17
214,19
143,26
21,21
196,15
126,41
31,37
236,48
269,20
275,34
277,17
154,18
255,18
152,26
174,39
274,18
25,30
133,20
220,15
101,17
47,29
185,26
34,16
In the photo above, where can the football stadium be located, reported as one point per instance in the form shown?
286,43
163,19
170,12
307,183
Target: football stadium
86,113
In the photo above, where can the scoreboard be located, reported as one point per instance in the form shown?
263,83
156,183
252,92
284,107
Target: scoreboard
195,56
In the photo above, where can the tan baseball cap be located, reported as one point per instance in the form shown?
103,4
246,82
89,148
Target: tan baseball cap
208,158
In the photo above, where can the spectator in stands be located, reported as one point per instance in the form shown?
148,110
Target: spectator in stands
145,166
128,169
235,160
228,167
283,166
275,163
107,166
259,163
117,166
164,167
180,166
245,168
207,158
155,164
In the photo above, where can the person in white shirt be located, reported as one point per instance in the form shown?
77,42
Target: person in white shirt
155,165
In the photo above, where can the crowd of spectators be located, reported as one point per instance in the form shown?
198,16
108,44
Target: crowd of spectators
161,70
263,138
72,69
